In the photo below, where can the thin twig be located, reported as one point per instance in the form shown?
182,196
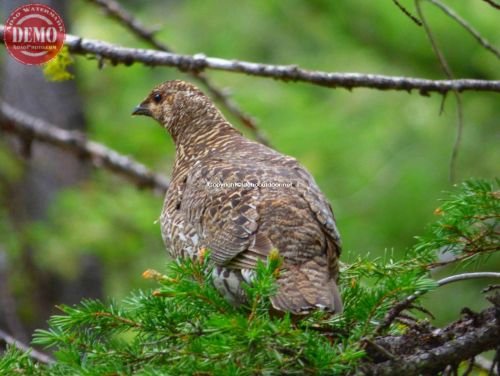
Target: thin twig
199,62
37,355
467,276
449,74
432,352
28,127
458,137
492,3
462,257
407,12
116,11
407,302
120,14
490,288
123,320
480,39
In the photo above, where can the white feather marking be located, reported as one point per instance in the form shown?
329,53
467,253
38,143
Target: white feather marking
248,275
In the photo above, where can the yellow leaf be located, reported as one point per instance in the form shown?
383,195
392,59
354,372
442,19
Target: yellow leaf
57,68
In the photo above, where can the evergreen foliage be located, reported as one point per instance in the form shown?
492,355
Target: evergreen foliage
15,361
185,327
468,222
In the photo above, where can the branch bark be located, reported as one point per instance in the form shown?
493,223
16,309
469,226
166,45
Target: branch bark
407,303
199,62
426,350
30,128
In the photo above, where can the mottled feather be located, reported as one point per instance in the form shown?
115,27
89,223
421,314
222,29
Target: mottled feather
218,199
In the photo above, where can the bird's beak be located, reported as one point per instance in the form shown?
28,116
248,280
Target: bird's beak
142,110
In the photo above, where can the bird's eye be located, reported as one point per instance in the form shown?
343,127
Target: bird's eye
157,98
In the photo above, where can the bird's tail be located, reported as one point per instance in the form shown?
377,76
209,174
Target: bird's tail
304,288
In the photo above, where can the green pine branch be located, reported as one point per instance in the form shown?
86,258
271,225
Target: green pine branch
468,226
184,326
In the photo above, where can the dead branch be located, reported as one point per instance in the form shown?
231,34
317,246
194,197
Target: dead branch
199,62
30,128
36,355
467,276
427,350
407,303
480,39
492,3
407,13
449,74
116,11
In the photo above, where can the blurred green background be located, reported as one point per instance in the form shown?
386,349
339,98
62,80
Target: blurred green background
382,158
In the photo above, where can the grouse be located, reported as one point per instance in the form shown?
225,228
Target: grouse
241,200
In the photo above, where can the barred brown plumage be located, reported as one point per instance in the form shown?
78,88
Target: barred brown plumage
241,199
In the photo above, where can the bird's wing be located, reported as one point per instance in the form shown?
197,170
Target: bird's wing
291,170
317,202
225,213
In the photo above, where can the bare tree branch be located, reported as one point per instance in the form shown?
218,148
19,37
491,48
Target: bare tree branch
407,13
427,350
37,355
197,63
30,128
407,303
492,3
467,276
117,12
449,74
480,39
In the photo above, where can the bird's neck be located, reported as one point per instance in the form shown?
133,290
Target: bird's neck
201,137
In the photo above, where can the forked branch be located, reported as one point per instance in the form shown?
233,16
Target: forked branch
30,128
198,63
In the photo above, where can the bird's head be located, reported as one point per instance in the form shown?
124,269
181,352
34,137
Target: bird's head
176,105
